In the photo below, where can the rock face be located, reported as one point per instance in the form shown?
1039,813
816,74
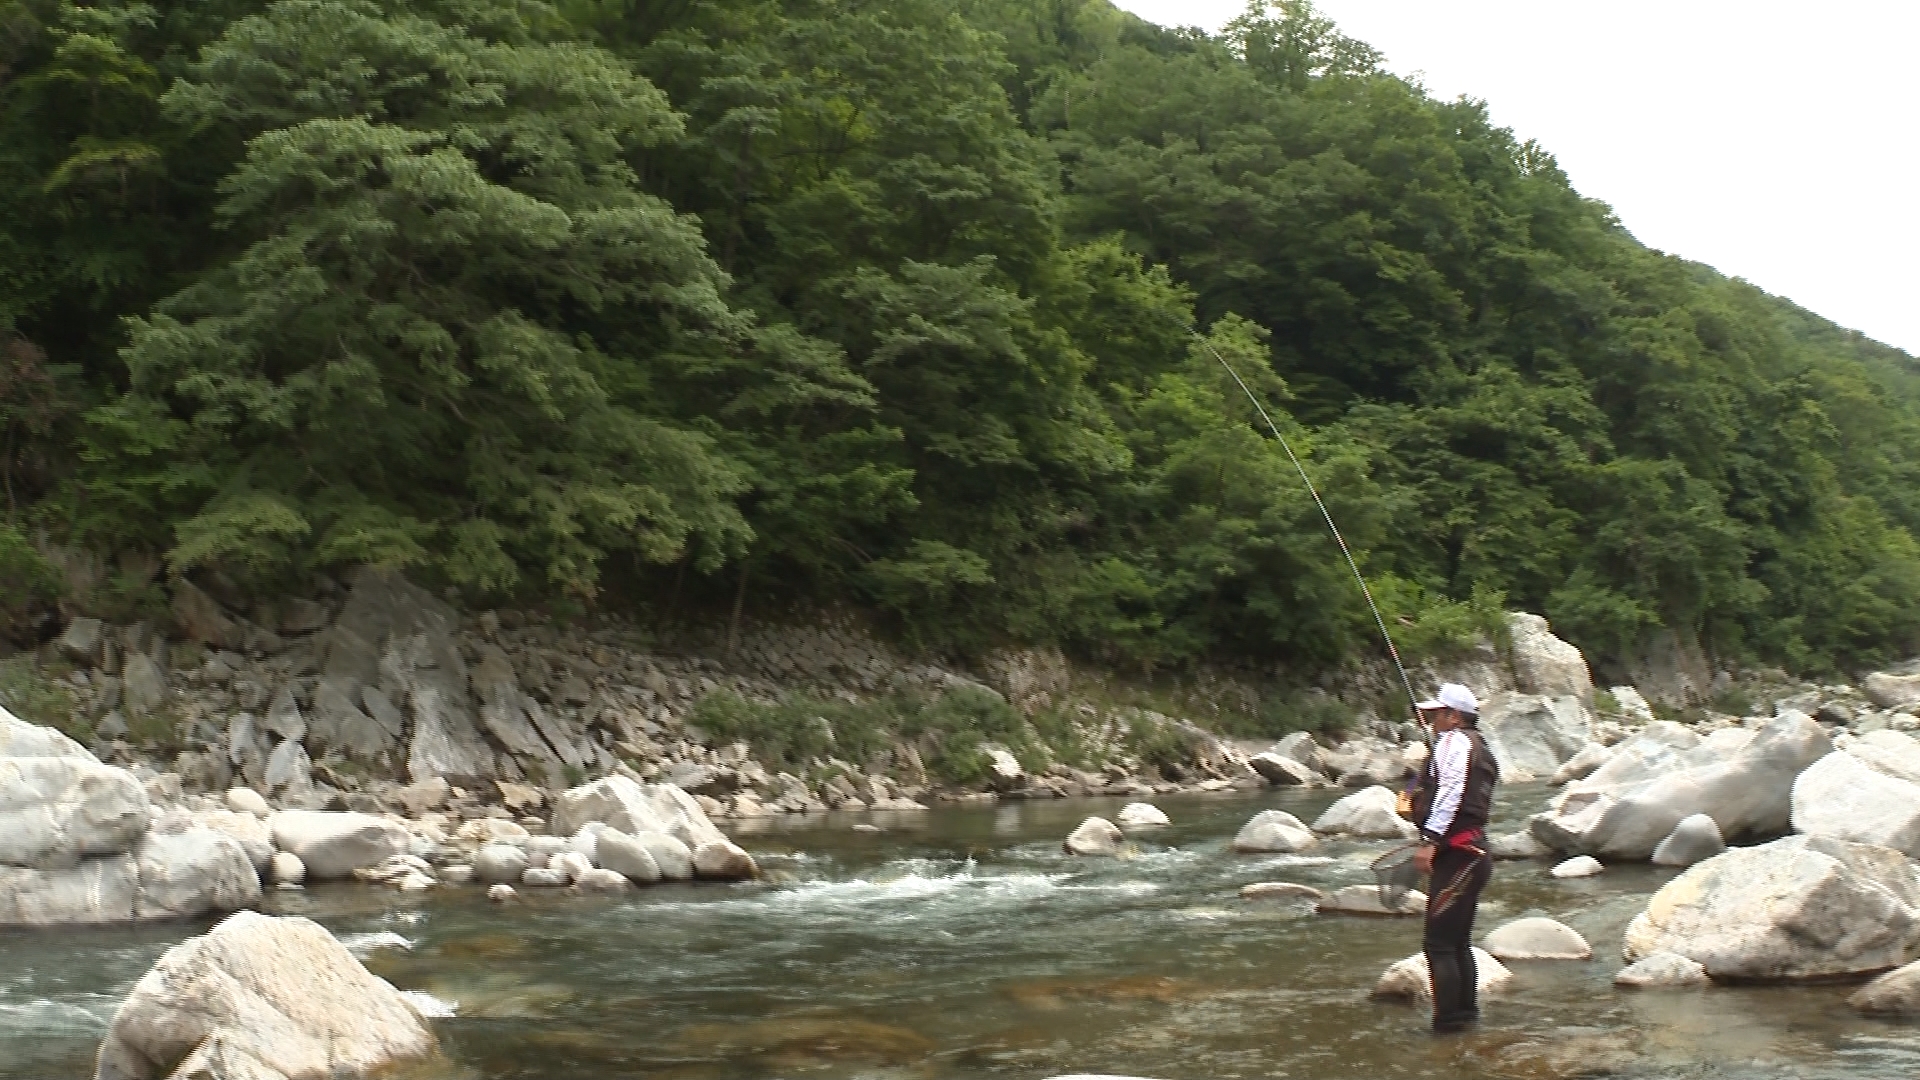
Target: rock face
1802,907
1843,796
334,845
261,997
1367,813
1274,831
1695,839
1661,969
1532,735
1543,664
1743,781
1895,993
1538,939
1409,980
1095,836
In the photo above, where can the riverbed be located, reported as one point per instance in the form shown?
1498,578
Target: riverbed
962,942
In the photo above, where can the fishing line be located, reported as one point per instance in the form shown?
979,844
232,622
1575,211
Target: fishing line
1392,653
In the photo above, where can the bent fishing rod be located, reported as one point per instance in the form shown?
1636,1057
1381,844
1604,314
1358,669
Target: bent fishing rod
1392,652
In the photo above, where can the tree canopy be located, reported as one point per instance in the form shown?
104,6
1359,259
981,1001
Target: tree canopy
910,306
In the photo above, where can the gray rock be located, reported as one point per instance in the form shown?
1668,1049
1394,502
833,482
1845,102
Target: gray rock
1582,764
143,687
1095,836
1368,813
94,892
1897,993
1004,771
54,811
1633,802
200,618
190,873
247,749
1299,747
81,642
334,844
445,744
1633,704
260,997
1274,831
624,855
1544,664
1531,736
423,796
302,616
1802,907
722,860
1695,839
338,724
1661,969
283,717
1536,938
499,863
1890,691
289,773
1282,771
1365,900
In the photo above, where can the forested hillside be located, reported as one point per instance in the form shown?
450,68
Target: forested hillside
724,302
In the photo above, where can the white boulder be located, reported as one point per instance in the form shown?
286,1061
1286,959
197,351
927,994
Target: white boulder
1802,907
1633,704
624,855
20,739
1582,764
1282,771
1893,753
1843,796
1141,815
1410,980
603,881
97,891
1274,831
723,860
1365,900
55,811
1516,845
633,809
1578,867
499,863
1891,691
279,997
1536,938
1366,813
1095,836
193,872
1742,779
287,869
1532,735
1661,969
334,844
1695,839
1543,663
1897,993
244,800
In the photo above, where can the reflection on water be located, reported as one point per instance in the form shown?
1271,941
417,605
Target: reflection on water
963,943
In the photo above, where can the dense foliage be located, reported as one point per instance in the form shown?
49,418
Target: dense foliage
894,304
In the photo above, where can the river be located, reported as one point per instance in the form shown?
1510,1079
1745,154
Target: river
964,943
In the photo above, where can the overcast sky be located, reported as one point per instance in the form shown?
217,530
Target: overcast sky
1776,142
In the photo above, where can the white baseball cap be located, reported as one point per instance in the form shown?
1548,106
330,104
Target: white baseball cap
1452,696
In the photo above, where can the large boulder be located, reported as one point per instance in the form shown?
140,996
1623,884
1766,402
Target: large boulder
21,739
633,809
1844,797
1410,979
674,859
1282,771
723,860
1142,815
1897,993
624,855
261,997
499,863
1537,938
97,891
54,811
1532,735
1892,691
1801,907
1893,753
1742,779
1095,836
1274,831
192,872
1581,765
1366,813
1544,664
334,844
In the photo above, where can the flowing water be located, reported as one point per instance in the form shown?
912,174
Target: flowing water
963,943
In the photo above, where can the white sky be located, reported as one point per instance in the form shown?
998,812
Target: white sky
1777,142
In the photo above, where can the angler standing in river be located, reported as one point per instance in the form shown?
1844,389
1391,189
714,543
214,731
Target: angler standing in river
1451,808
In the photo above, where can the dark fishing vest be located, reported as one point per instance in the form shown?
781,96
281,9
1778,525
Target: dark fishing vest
1476,802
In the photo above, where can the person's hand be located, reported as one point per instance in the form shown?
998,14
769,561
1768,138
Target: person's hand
1423,859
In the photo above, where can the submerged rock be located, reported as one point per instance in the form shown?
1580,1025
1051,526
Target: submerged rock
1799,908
1537,939
1365,900
1280,890
1274,831
260,996
1661,969
1578,867
1410,980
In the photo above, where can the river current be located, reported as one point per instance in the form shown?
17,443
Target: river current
964,943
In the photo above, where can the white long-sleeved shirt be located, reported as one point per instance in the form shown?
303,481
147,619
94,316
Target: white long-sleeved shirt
1452,753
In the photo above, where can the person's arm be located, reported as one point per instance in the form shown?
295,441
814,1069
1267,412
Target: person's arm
1450,759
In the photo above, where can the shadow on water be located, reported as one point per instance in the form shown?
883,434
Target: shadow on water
962,943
